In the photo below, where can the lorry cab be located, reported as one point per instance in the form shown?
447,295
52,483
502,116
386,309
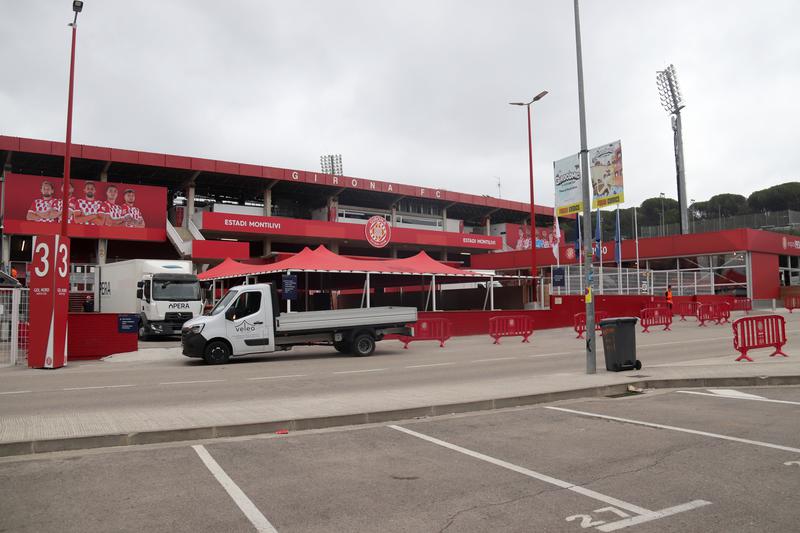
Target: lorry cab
166,301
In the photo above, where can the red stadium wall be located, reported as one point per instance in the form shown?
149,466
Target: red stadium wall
765,282
95,335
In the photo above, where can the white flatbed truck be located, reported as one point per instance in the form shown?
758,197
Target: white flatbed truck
247,320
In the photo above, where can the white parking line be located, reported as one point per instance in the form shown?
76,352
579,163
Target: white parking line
359,371
732,397
432,364
279,377
645,515
682,430
99,387
687,341
237,495
187,382
492,359
16,392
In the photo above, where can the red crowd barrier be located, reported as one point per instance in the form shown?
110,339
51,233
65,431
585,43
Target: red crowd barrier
656,316
742,304
791,302
687,309
707,313
753,332
429,329
724,312
580,322
510,326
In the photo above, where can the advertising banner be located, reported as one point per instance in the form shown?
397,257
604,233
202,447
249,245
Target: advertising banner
518,237
605,168
100,210
569,193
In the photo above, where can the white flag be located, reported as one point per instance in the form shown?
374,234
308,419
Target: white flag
557,240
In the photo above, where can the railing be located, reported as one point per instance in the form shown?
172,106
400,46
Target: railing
183,247
773,221
13,325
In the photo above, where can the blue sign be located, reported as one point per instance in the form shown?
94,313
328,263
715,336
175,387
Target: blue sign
289,283
558,277
127,323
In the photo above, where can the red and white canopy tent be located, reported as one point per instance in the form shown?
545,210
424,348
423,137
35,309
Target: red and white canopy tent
386,272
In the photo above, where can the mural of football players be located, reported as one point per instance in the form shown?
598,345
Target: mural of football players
131,213
112,212
44,209
88,211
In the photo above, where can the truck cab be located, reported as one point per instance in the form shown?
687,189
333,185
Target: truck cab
247,320
165,302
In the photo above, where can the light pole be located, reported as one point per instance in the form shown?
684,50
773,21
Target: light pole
672,101
530,166
77,7
663,232
591,359
693,222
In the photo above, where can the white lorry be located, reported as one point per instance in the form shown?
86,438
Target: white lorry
164,294
247,320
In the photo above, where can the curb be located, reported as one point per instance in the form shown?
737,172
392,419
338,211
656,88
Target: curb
8,449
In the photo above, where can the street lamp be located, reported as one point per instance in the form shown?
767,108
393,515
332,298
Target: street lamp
77,7
672,100
661,195
530,166
693,214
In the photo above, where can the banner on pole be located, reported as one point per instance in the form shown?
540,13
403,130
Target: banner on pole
605,168
569,193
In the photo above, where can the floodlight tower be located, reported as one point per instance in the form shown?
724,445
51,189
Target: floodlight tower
670,93
332,164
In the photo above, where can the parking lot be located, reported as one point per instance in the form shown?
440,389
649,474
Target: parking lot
694,460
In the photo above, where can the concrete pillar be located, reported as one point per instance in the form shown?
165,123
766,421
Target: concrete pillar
334,247
102,251
333,208
444,219
6,253
267,247
488,225
443,255
394,215
393,252
189,213
267,202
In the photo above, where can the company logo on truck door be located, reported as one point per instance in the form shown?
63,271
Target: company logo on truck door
244,327
178,305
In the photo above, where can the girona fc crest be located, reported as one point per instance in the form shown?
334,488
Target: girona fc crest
378,231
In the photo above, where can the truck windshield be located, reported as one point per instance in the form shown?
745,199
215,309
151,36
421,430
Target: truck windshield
222,304
176,290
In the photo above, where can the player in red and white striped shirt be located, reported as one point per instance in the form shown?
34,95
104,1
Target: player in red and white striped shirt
43,209
132,214
113,213
88,211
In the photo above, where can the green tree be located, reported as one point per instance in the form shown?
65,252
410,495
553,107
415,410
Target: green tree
778,198
726,205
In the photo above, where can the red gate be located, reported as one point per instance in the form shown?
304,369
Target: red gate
791,302
753,332
580,322
429,329
510,326
707,313
687,309
656,316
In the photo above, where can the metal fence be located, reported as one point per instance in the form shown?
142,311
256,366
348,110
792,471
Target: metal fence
13,326
782,221
684,282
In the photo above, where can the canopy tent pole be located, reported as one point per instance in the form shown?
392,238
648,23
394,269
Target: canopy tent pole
433,290
491,293
427,296
288,301
306,289
369,301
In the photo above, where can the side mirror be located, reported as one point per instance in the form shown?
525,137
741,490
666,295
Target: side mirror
230,313
139,284
140,293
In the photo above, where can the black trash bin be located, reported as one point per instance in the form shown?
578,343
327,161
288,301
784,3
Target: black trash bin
619,343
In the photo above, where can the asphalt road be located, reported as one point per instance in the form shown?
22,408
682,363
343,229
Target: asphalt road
702,460
473,362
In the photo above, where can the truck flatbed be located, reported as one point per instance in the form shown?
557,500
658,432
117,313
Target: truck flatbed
344,319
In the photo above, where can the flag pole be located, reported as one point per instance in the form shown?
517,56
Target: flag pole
618,244
636,238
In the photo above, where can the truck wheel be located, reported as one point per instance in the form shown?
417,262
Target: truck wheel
363,345
343,347
216,353
143,336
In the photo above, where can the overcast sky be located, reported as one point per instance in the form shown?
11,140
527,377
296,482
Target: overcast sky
416,91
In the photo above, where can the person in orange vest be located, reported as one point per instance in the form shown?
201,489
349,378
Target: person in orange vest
668,295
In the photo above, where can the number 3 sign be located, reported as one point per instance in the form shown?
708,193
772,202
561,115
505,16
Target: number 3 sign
49,302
